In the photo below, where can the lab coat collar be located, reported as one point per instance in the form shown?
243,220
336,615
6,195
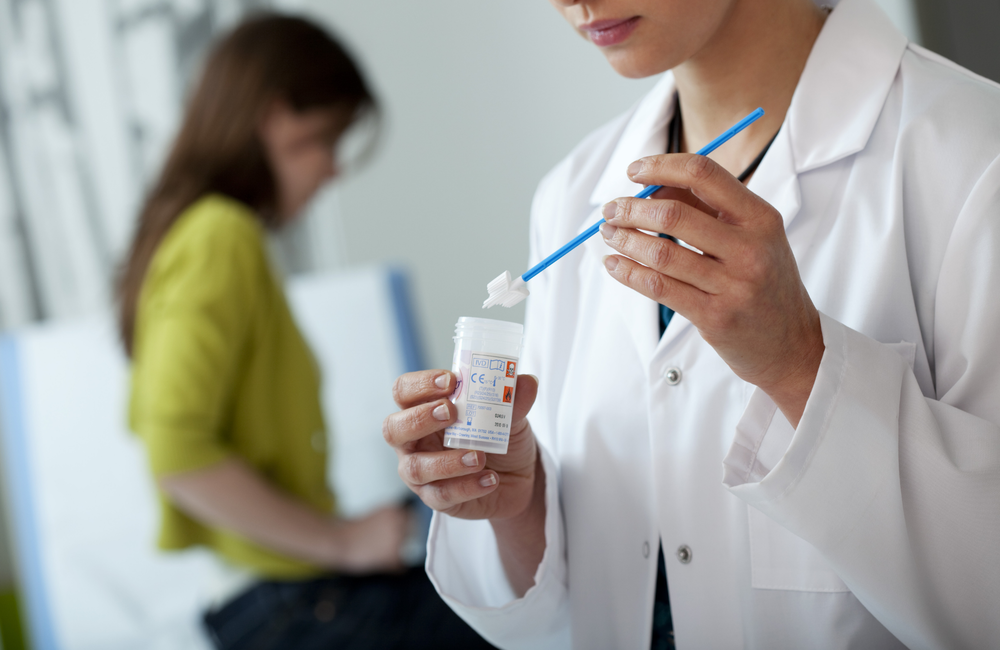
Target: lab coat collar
844,85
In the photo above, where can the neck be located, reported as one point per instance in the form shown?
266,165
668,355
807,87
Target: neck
754,59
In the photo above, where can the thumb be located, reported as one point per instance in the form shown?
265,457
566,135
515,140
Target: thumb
524,397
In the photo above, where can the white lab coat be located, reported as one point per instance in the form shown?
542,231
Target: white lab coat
875,523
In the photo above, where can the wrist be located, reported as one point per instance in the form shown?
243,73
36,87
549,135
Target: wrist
521,538
534,503
791,392
334,546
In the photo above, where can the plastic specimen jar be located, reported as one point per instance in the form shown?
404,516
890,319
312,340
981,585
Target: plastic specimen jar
485,362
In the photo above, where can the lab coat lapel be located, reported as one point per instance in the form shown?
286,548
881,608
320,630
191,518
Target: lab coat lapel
776,180
836,103
844,85
645,135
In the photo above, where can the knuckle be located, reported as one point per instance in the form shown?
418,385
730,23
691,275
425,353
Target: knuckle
700,168
465,490
773,219
440,467
625,272
670,215
397,390
409,469
746,255
397,425
441,494
414,418
751,267
756,267
656,285
743,296
662,254
625,211
655,166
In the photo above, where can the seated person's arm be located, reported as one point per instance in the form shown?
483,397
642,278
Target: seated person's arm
231,495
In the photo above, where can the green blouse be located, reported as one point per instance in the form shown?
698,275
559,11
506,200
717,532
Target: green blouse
220,370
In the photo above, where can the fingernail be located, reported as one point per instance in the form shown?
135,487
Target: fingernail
441,381
471,459
441,412
608,231
609,210
610,262
634,168
488,480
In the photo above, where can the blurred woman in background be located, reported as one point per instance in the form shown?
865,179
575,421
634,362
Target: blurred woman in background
225,392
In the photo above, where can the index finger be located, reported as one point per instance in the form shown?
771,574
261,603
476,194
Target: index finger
415,388
706,179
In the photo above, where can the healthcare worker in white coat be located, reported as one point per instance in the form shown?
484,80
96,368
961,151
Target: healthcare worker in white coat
813,441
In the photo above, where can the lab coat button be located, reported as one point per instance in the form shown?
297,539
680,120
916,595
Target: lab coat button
673,376
645,549
684,554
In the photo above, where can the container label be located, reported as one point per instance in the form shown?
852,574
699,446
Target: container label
484,397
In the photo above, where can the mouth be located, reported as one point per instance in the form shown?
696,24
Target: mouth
605,33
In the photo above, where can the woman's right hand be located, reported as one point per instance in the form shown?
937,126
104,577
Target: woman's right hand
459,482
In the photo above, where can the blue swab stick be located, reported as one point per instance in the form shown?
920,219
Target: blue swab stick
644,194
507,293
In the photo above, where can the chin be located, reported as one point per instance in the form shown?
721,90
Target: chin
633,64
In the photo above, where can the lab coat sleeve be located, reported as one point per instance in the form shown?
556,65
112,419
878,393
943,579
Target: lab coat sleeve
898,490
464,564
463,561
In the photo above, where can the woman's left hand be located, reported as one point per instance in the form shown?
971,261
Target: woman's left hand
744,294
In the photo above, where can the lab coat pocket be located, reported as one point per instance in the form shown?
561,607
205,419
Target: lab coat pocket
782,560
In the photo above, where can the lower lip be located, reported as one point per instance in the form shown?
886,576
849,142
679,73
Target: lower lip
613,35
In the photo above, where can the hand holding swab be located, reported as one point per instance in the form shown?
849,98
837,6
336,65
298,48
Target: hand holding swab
507,291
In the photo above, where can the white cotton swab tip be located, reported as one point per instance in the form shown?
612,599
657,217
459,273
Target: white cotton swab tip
505,291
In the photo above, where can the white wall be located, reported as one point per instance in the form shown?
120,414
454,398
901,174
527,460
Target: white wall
482,99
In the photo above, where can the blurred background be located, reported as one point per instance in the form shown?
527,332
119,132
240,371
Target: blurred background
479,100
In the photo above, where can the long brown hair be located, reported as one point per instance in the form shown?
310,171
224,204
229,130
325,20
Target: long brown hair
217,149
